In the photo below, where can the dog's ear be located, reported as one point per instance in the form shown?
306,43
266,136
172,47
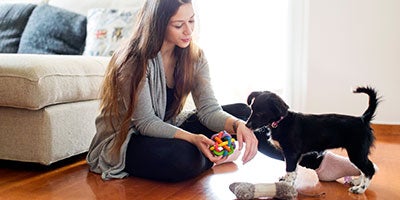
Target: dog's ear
252,96
280,107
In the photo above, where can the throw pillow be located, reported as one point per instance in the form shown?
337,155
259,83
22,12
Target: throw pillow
13,19
52,30
107,29
86,5
24,1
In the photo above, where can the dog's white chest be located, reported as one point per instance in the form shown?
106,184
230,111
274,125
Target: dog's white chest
275,143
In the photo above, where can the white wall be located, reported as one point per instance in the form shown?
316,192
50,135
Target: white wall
245,45
351,43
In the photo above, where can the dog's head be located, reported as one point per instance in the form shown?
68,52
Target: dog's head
267,107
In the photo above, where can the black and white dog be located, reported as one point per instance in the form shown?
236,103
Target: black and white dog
297,134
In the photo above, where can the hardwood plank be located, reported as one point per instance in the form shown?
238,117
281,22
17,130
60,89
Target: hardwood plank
386,129
70,179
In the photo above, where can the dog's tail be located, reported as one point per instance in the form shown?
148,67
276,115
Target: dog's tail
369,114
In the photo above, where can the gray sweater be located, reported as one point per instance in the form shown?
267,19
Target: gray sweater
148,117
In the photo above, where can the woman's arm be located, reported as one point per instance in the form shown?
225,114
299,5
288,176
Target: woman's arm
213,117
209,111
243,134
145,118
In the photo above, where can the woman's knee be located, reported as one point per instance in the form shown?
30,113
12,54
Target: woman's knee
187,163
191,157
239,110
164,159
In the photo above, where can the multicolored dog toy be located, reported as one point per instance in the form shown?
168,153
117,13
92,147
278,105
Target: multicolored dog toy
224,144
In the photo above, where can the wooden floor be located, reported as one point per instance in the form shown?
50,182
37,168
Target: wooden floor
71,180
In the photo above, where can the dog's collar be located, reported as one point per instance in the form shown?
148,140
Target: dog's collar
276,123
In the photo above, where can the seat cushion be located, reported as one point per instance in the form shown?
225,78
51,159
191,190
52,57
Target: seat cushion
49,134
35,81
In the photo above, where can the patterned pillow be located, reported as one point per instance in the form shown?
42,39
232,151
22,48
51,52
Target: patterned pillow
86,5
13,18
53,30
107,29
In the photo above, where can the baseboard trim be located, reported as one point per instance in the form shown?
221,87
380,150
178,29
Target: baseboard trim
386,129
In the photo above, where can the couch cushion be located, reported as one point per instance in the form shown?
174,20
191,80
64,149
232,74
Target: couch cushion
49,134
35,81
13,18
52,30
107,29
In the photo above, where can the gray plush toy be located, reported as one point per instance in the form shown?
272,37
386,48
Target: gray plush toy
279,190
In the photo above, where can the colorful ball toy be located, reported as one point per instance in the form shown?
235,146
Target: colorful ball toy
224,144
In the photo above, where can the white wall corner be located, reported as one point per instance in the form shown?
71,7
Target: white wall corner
296,88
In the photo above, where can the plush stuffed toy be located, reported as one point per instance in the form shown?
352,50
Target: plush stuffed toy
279,190
306,179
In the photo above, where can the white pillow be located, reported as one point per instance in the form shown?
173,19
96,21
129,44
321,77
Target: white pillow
83,6
107,29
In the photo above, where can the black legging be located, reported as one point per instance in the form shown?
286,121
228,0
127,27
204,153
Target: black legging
175,160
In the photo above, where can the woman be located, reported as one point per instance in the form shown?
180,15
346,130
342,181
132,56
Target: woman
145,88
141,130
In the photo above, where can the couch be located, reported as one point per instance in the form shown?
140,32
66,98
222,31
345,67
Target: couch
52,61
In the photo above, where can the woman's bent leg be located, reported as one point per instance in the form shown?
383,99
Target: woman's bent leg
193,124
163,159
239,110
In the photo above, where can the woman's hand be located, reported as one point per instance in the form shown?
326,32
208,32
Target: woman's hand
201,142
247,136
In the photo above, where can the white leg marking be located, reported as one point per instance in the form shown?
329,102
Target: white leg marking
362,186
289,178
356,181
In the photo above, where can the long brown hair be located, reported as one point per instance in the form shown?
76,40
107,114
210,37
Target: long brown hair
128,66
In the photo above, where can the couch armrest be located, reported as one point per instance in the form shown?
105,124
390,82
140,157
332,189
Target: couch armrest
33,81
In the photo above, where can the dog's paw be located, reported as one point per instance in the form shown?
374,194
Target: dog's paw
289,178
358,189
360,185
353,181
